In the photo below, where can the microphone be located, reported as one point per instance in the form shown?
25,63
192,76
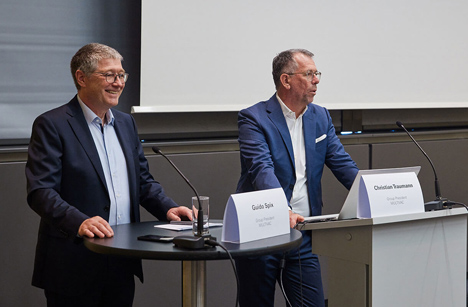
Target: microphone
439,203
189,242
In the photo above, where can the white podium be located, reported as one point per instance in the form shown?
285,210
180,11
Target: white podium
406,260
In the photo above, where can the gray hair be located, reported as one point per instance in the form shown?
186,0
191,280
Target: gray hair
87,58
284,62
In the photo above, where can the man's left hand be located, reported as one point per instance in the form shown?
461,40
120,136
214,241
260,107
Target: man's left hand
179,213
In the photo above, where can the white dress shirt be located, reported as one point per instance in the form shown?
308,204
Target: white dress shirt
300,197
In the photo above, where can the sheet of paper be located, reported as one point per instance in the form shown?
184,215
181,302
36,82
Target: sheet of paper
183,226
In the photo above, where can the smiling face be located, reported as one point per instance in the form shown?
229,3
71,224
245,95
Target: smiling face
98,94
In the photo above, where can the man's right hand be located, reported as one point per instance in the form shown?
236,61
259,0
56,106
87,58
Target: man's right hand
294,218
95,226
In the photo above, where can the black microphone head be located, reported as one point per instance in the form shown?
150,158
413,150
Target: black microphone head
399,124
156,149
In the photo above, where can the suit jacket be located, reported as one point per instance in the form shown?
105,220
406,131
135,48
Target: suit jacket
66,185
267,158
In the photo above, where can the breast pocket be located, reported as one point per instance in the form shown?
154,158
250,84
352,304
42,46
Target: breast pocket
321,147
320,138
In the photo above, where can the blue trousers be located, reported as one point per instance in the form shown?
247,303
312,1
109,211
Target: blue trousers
301,277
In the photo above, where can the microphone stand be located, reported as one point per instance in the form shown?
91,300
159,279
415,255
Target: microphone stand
190,242
439,203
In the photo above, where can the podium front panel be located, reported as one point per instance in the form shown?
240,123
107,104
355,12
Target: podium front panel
412,260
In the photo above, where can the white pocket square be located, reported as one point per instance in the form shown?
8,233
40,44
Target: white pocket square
321,138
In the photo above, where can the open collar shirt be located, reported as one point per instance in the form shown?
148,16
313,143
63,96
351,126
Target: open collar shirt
299,201
113,163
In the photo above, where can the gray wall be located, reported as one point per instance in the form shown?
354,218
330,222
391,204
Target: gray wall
215,173
37,42
450,158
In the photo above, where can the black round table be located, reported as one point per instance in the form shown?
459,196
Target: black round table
125,243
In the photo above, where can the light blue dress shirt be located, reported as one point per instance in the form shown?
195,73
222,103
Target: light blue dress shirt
113,164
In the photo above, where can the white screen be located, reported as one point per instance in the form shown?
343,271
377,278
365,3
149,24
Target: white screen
215,55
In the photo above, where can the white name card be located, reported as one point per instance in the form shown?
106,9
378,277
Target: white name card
389,194
255,215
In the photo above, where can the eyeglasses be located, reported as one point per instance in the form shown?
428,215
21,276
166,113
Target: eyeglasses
308,74
111,78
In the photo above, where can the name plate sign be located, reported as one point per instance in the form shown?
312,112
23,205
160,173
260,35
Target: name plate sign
255,215
389,194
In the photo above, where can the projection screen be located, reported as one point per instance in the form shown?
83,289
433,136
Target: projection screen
215,55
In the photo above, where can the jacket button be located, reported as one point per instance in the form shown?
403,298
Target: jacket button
106,208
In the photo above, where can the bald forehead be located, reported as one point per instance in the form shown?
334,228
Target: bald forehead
303,60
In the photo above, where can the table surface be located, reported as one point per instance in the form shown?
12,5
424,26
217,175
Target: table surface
382,220
125,243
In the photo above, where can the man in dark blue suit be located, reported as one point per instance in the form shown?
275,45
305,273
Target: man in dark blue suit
85,172
285,142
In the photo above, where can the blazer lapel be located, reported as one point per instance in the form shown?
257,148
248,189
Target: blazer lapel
124,137
309,126
275,113
79,126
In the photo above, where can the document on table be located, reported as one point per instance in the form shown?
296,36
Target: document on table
183,225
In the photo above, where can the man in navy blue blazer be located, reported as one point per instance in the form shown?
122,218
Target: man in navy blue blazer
285,142
86,171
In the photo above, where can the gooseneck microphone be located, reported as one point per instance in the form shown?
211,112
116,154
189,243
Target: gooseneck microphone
190,242
200,241
439,203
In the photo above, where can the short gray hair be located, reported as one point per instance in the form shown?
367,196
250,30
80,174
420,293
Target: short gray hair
284,62
87,58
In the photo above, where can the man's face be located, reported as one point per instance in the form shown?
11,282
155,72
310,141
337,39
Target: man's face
304,90
99,94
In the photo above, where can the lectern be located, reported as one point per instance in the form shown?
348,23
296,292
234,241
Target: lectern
406,260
